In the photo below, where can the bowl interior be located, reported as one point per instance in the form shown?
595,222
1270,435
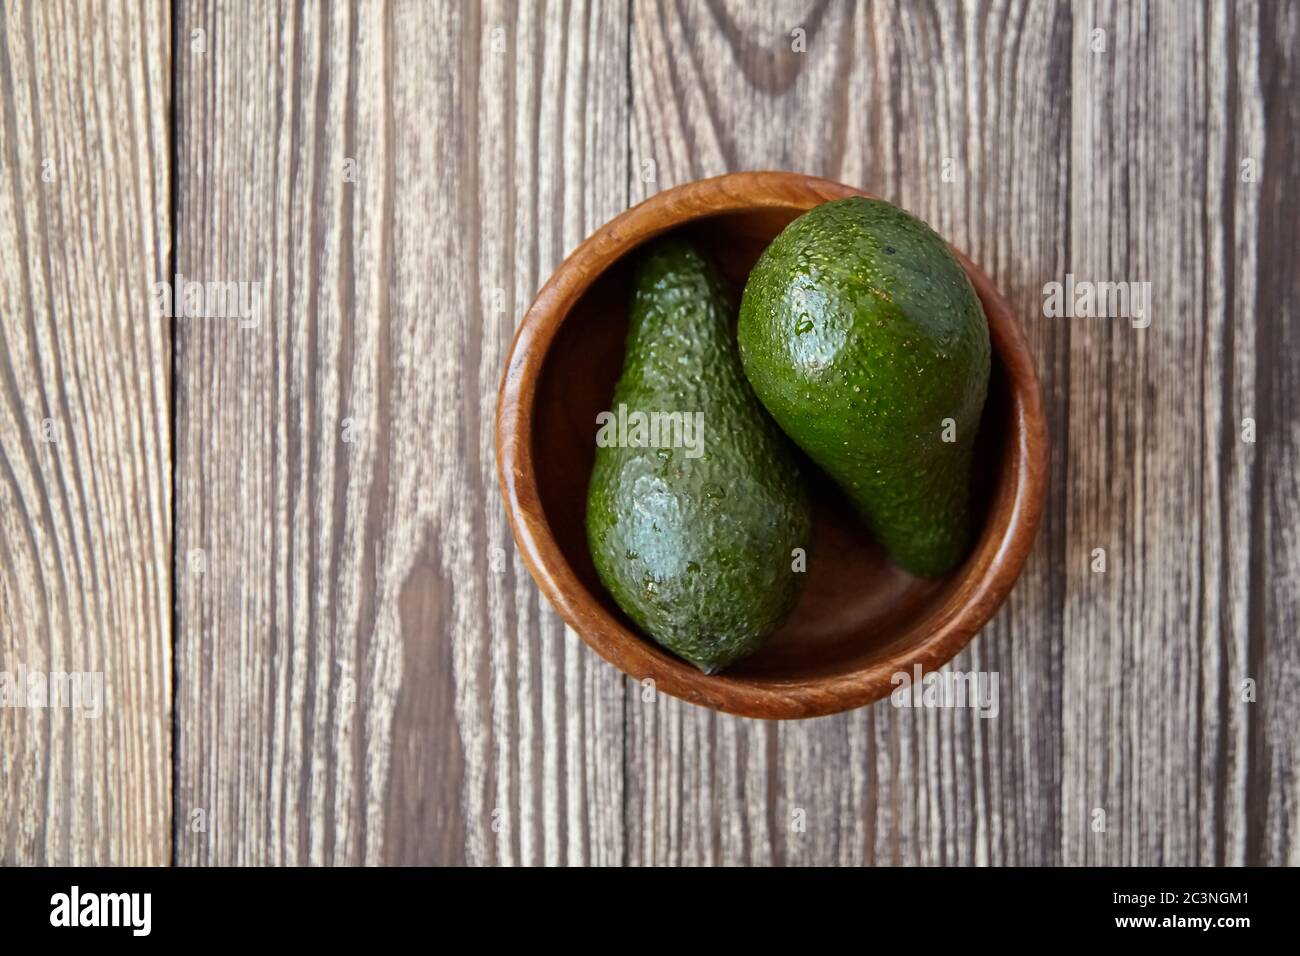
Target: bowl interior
858,609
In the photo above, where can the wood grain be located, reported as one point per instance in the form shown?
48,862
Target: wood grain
1155,730
369,674
882,785
1121,690
1269,59
364,671
85,452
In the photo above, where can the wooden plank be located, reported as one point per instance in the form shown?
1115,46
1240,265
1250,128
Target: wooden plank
883,95
367,673
85,452
547,123
1155,734
1271,130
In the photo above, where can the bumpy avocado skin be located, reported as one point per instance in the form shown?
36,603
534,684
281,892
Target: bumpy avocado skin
697,551
861,334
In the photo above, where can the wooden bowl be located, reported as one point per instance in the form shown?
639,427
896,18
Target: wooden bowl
861,619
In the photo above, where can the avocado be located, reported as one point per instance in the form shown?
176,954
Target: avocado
863,337
696,505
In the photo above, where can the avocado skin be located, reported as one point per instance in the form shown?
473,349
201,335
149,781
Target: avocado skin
696,551
860,333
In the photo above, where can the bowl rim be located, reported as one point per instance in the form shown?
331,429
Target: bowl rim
990,571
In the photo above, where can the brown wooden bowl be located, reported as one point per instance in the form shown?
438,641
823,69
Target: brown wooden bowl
861,619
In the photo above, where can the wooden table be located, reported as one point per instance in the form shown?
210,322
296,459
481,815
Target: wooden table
281,541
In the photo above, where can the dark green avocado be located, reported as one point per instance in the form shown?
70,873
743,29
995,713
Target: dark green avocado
861,334
695,539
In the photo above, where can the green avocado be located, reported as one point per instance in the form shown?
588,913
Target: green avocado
864,339
696,506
